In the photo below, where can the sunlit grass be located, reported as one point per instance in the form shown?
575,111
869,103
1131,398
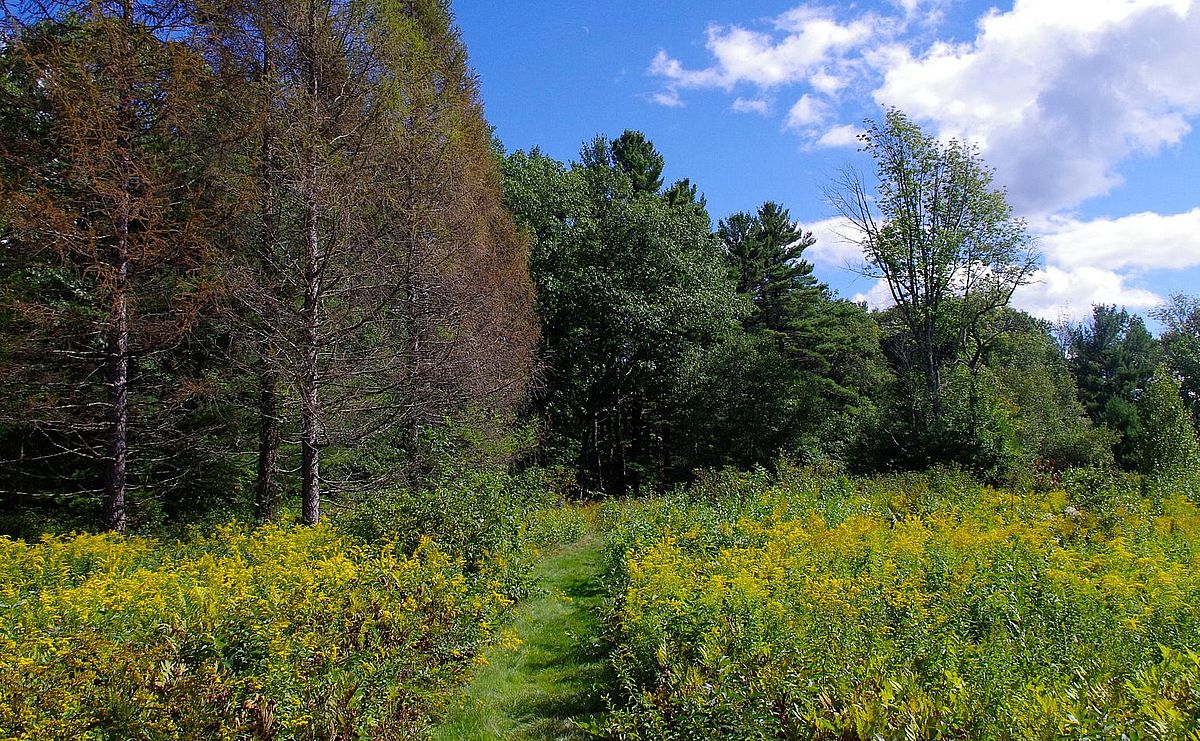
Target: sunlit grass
556,676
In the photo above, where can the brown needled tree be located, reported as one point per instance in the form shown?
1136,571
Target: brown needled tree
106,192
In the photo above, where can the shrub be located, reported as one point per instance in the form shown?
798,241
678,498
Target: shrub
917,607
484,517
269,633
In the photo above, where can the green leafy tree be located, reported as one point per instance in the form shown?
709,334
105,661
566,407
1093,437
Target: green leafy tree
630,289
944,241
1166,442
1112,356
1181,346
1050,424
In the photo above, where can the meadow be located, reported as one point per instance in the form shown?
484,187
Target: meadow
815,606
804,604
365,626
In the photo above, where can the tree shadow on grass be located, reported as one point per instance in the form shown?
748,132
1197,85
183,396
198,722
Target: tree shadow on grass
560,674
569,656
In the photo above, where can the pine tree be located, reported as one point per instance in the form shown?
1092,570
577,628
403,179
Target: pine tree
1112,356
765,256
636,156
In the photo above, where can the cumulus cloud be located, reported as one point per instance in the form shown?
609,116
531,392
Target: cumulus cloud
808,111
1057,293
878,297
1140,241
1054,294
1058,93
840,136
836,246
804,43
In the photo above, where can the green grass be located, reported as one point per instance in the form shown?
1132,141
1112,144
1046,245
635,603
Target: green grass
558,673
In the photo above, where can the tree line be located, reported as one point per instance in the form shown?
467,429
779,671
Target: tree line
262,254
248,245
669,345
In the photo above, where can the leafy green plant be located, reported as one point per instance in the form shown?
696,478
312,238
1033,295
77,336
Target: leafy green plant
923,606
275,633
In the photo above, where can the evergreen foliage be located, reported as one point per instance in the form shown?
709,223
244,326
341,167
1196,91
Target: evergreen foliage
630,289
1112,357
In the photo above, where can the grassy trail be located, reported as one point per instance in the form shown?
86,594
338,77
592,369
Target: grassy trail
558,673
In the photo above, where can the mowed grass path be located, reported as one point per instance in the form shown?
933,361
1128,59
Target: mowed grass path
558,674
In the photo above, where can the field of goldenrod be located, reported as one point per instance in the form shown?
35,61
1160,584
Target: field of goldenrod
821,607
265,633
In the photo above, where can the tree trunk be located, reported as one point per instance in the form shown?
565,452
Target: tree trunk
118,378
266,496
310,454
933,370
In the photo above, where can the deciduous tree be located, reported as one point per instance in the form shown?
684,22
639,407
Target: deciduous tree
942,238
104,197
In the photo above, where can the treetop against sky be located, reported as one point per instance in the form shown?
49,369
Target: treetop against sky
1085,108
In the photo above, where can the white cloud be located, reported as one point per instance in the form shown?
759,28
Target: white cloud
1140,241
825,82
751,105
668,98
1058,93
840,136
808,111
836,244
878,297
810,39
1055,294
1058,293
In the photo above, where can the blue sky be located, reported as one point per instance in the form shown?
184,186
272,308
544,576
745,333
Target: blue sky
1086,109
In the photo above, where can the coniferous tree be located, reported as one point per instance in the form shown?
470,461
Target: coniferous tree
104,199
764,251
1112,357
818,352
381,273
636,156
630,290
